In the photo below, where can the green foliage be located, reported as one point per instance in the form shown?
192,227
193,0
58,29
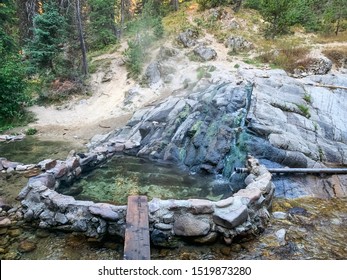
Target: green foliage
305,110
143,31
135,58
335,13
31,131
101,28
158,28
306,13
48,40
308,98
287,58
315,15
275,12
253,4
208,4
13,85
13,97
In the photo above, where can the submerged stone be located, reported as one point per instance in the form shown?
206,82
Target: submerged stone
26,246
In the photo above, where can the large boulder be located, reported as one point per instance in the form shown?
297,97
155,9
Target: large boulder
188,38
238,44
205,53
152,74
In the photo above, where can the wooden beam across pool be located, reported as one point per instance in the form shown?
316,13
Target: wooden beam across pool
137,242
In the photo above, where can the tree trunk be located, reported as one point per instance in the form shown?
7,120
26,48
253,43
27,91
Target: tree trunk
337,26
237,6
122,16
174,4
81,38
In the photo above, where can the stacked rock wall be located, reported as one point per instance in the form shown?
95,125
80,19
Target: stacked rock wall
245,213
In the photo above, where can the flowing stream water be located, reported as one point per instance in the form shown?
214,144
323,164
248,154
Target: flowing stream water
308,228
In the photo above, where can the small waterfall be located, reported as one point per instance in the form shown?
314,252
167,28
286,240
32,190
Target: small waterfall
238,149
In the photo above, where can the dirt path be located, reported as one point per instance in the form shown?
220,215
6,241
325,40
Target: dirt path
80,119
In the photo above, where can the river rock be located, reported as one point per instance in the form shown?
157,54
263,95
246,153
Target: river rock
59,170
105,211
15,232
5,205
166,53
201,206
162,239
188,38
237,44
279,215
230,219
86,159
4,222
281,236
47,164
205,53
225,202
45,179
10,164
187,225
209,238
253,194
26,246
60,218
162,226
152,73
319,66
168,218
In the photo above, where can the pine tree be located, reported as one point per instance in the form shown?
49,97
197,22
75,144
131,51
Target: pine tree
49,37
102,30
335,13
275,12
12,70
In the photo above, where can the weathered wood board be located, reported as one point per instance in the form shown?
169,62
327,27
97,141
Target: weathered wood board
137,242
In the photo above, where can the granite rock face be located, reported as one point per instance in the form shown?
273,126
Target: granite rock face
299,123
281,120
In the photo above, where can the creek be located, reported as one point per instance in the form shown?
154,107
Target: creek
311,228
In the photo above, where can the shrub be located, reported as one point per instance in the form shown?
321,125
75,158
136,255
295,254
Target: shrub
208,4
287,58
31,131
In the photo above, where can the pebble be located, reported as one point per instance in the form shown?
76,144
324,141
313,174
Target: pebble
4,240
3,250
26,246
225,251
279,215
15,232
236,248
5,222
41,233
11,255
281,236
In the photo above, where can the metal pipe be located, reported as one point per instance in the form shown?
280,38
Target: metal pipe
309,170
299,170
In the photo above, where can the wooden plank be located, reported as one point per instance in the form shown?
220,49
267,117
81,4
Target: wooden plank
137,242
